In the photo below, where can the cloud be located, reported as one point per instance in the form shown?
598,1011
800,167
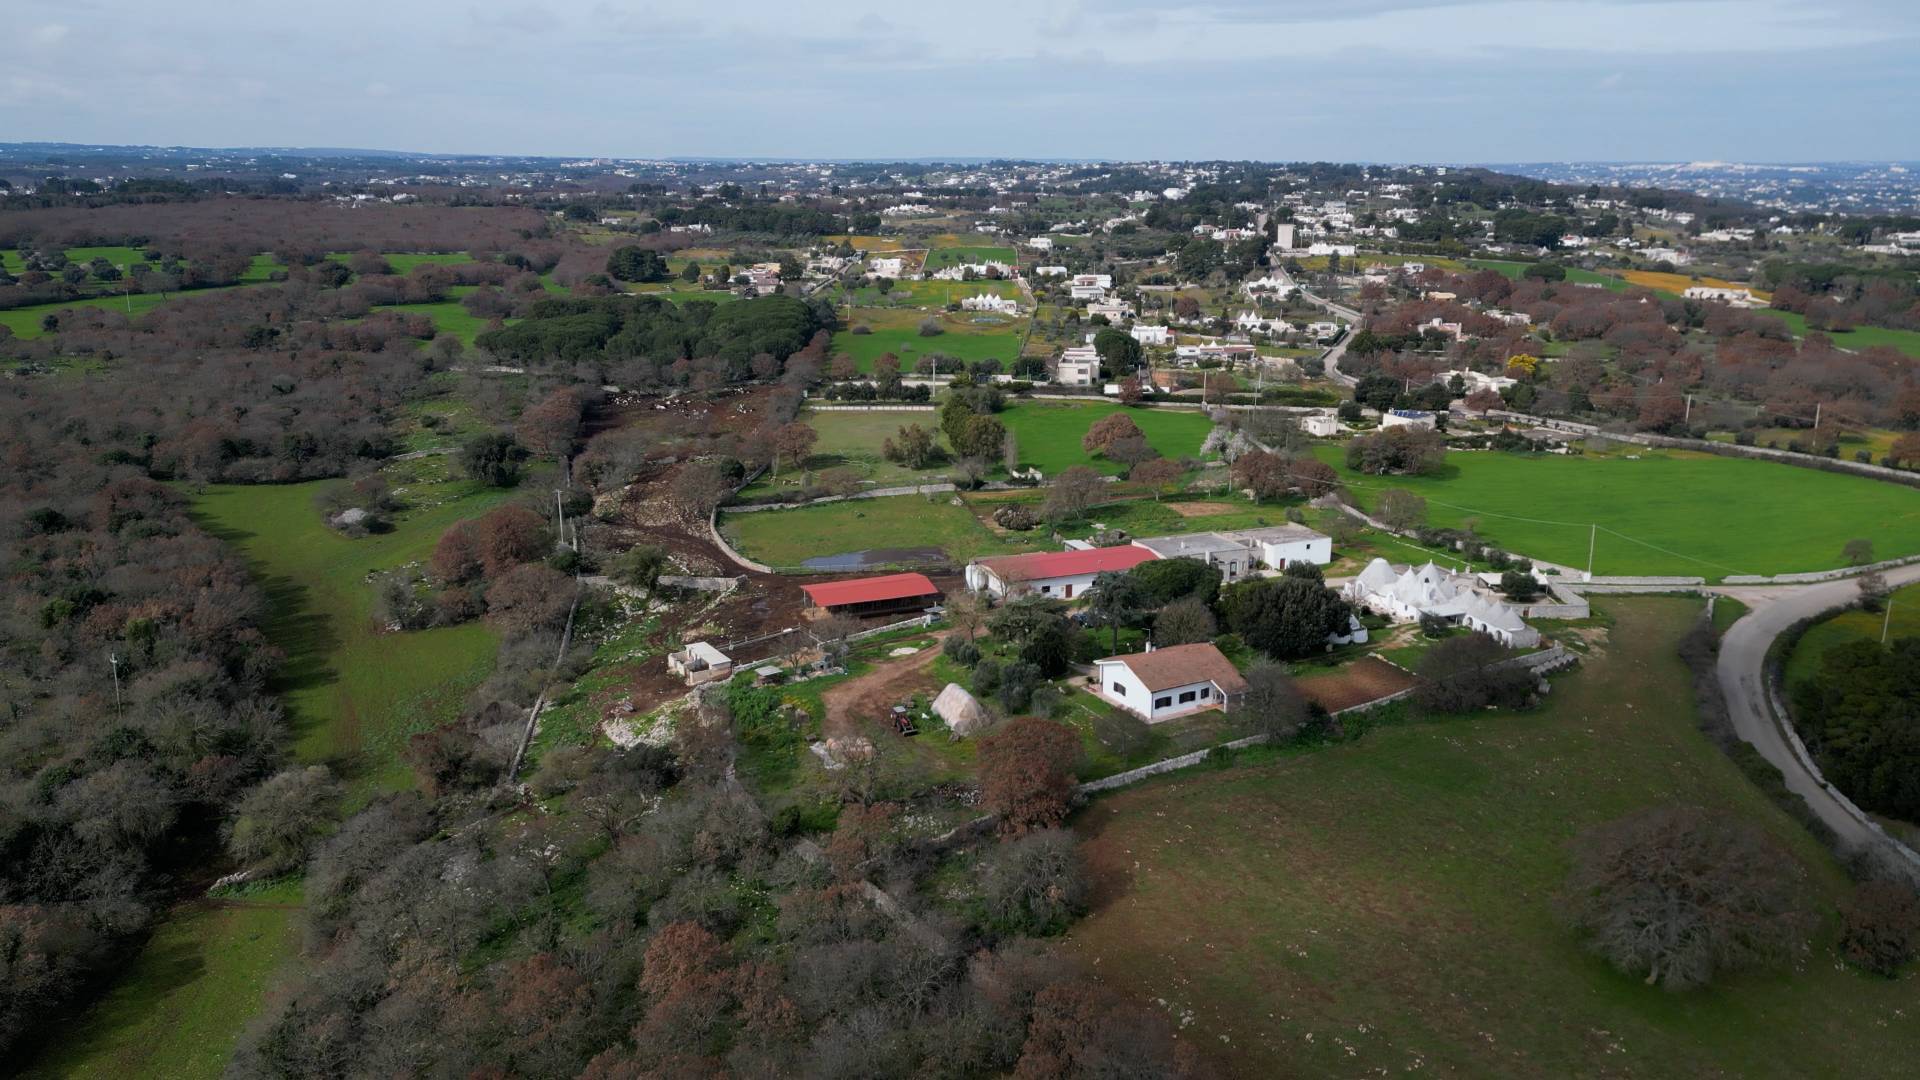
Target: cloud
1383,80
47,35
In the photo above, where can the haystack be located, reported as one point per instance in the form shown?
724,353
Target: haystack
963,715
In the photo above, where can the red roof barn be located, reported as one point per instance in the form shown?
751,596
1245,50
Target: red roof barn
874,595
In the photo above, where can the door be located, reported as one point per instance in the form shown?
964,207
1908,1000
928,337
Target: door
1067,590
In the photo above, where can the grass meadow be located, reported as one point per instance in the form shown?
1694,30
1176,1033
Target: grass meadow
967,336
942,256
353,693
1856,625
1386,906
1049,433
785,539
1660,511
179,1007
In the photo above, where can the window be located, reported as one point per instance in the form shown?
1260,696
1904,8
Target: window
1206,692
1119,691
1162,702
1046,588
1186,697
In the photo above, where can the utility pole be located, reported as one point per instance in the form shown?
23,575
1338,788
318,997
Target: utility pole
1689,417
1816,414
1886,620
1593,536
113,658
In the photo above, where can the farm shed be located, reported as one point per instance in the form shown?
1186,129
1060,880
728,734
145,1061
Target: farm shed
885,595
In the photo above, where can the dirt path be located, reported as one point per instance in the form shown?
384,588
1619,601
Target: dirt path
869,697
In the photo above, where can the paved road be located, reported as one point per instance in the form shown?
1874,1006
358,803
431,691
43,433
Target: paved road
1741,669
1332,358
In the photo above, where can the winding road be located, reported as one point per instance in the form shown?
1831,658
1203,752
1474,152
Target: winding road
1742,672
1333,355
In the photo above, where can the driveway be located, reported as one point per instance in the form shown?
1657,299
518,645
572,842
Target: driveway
1741,669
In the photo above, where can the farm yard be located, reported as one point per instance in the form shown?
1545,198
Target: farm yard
1666,512
1387,905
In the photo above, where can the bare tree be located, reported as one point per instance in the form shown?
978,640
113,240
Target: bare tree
1681,895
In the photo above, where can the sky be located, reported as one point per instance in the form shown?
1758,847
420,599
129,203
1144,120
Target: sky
1282,80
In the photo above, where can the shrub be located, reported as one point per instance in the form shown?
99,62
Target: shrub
1878,927
961,650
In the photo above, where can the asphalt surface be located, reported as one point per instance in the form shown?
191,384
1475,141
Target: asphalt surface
1742,673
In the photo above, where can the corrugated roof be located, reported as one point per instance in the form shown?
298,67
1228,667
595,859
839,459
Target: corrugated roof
1183,665
1053,564
870,590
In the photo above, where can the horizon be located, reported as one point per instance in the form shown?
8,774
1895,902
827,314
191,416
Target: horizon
1429,81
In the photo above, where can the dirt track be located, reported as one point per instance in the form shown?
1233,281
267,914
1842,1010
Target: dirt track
869,697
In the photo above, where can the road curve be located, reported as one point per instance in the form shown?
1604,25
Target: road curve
1333,355
1742,673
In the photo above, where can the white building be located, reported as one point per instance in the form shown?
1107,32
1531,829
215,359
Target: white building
1321,425
700,662
1283,236
1736,297
1050,271
1078,366
1041,243
990,302
1234,558
887,268
1404,596
1161,684
1152,335
1060,574
1407,418
1090,286
1114,310
1279,546
1321,247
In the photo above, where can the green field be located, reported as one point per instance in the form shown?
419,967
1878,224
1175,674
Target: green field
969,336
25,321
353,694
1049,433
785,539
1385,906
941,257
178,1008
1660,511
932,294
1903,620
403,262
1862,337
1575,275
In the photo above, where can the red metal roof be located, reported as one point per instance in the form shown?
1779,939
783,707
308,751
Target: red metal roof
869,590
1057,564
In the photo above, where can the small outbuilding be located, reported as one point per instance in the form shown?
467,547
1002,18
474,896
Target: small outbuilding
700,662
